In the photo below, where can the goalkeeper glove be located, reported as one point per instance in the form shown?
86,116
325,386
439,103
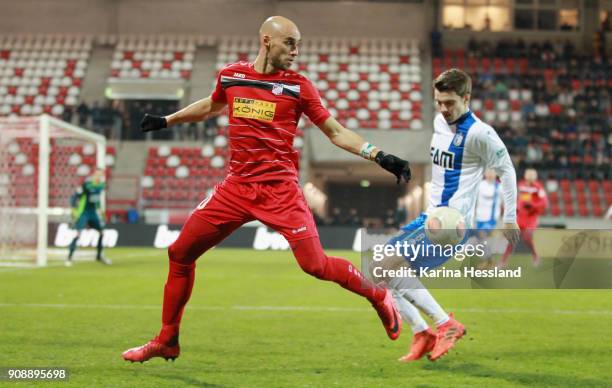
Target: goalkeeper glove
396,166
152,123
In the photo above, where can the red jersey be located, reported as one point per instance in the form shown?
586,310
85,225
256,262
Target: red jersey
264,110
532,200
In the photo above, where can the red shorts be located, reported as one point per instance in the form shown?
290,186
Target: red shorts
278,204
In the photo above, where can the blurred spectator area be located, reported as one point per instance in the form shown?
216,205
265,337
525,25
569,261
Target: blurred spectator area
551,105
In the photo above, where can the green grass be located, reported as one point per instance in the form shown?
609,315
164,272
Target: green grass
82,318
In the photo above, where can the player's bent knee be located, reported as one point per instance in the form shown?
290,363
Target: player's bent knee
310,257
314,266
178,255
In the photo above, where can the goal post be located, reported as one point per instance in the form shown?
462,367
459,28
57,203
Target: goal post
42,161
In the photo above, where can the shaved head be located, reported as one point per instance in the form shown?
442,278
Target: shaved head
278,26
279,39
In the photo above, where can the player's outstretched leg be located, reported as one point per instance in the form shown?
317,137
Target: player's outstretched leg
314,261
196,237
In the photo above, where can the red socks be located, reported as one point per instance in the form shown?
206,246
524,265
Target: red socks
176,294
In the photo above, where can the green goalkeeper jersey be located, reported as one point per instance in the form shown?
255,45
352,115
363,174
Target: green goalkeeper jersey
87,198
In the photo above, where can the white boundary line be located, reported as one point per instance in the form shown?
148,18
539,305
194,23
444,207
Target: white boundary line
296,308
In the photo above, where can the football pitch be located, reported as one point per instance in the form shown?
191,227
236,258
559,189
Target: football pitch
255,319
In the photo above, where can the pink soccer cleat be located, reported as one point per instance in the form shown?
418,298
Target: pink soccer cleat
151,349
448,334
422,343
390,317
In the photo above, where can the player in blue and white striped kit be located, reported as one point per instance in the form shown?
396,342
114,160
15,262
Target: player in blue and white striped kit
488,211
461,148
488,205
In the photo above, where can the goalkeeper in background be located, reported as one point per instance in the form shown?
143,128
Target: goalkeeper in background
87,210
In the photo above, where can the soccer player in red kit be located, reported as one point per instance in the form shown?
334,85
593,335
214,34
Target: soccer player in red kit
265,101
532,202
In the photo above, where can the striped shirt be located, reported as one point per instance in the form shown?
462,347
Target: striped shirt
460,153
264,110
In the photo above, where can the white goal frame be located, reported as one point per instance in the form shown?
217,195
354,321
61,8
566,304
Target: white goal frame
48,128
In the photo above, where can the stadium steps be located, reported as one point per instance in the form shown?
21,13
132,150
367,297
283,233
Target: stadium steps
203,74
95,81
124,186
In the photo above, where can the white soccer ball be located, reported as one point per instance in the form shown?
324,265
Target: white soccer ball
445,225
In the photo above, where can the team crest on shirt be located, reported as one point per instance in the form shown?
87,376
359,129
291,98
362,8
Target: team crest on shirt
458,139
277,89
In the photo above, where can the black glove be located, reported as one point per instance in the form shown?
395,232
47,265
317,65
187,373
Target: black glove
152,123
396,166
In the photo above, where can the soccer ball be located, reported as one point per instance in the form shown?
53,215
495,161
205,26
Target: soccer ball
445,225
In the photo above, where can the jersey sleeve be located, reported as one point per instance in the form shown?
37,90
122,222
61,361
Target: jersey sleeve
491,148
218,95
494,154
311,104
75,197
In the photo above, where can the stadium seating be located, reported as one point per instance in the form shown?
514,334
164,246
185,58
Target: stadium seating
179,177
69,165
153,57
549,104
578,197
41,73
365,83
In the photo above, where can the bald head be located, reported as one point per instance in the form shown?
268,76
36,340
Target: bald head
279,39
278,26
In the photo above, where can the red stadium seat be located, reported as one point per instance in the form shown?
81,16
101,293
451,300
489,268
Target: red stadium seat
567,197
597,211
498,65
510,65
485,64
565,183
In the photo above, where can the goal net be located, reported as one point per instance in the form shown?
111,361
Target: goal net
42,162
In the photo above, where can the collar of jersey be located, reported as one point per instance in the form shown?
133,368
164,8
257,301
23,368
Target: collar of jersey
461,118
276,74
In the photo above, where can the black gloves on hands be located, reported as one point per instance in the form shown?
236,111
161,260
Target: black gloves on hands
152,123
396,166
